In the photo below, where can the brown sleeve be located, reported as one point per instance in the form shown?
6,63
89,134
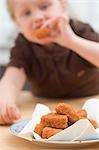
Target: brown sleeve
84,30
20,56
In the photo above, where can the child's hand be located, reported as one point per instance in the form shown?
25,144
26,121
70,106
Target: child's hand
65,34
9,113
60,32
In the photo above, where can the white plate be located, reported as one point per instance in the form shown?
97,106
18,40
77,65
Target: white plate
17,127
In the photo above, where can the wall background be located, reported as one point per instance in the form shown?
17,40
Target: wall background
86,10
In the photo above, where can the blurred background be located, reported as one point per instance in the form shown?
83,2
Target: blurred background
85,10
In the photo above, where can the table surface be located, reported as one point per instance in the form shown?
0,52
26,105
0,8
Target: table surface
26,103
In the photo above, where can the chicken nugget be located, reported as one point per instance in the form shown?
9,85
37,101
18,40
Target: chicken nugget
55,121
93,122
48,132
73,117
82,113
42,32
63,109
38,129
68,110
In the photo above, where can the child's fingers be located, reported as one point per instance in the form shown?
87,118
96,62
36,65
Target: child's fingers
13,112
48,23
2,122
4,118
58,25
9,115
61,24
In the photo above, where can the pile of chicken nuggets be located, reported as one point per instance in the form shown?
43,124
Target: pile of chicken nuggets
64,116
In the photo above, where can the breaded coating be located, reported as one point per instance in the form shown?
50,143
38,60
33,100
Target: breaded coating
38,129
93,122
82,113
68,110
42,32
73,117
55,121
48,132
63,109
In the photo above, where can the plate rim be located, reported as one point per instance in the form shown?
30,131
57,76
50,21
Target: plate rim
46,141
66,142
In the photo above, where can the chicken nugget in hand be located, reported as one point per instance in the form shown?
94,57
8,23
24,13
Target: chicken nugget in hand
42,32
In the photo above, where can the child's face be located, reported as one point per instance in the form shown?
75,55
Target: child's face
31,14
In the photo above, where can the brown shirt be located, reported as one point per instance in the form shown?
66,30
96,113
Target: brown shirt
57,71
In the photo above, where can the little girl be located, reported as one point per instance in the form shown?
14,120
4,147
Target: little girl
59,65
